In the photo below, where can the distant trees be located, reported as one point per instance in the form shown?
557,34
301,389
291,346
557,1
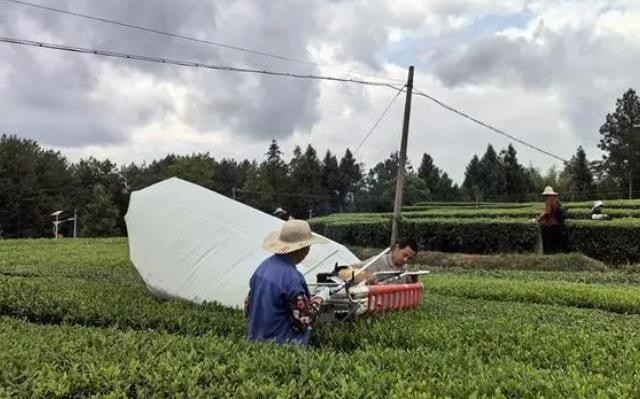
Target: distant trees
100,216
34,182
497,177
437,181
621,141
577,176
514,176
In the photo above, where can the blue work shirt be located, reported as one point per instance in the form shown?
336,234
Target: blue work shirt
274,285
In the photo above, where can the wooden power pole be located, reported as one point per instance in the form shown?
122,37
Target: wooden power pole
403,160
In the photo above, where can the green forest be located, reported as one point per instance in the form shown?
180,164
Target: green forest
36,181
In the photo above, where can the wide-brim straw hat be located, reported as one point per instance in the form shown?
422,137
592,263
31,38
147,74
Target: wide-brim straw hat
549,191
294,235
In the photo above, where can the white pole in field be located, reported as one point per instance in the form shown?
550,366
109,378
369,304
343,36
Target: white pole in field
55,223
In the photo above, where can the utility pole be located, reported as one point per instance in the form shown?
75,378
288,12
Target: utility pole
403,159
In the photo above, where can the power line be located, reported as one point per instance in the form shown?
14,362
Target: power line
486,125
192,39
159,60
378,121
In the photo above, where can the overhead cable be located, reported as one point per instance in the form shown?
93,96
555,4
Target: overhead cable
486,125
192,39
378,120
193,64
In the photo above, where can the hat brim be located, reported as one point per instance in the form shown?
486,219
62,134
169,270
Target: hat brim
274,245
549,193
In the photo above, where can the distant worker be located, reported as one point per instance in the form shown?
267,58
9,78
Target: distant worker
403,252
551,222
596,211
281,213
279,306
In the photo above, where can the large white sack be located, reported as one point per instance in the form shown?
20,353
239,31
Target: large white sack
192,243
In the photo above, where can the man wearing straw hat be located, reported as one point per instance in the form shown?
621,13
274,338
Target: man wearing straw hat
279,306
551,222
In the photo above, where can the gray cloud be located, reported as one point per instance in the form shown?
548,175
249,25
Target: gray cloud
261,106
570,76
53,103
585,71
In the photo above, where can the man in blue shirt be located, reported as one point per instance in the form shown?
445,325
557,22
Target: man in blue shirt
279,306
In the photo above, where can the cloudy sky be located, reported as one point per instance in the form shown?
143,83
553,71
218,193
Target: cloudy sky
544,71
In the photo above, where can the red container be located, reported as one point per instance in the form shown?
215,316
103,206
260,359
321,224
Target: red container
383,298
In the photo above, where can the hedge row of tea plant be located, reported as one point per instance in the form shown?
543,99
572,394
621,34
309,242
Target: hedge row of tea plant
68,334
612,298
524,213
96,259
613,242
55,300
446,348
609,278
609,204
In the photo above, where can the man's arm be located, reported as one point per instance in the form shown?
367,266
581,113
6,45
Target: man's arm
304,311
247,300
366,275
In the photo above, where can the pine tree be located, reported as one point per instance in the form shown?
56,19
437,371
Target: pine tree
351,179
492,181
228,175
446,190
515,175
274,174
255,190
331,182
306,189
577,176
100,216
196,168
473,176
430,174
621,141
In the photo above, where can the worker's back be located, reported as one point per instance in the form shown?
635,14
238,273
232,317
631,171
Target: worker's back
273,285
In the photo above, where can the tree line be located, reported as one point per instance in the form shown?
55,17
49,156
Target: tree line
34,181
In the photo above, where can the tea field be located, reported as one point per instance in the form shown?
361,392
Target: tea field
76,321
487,228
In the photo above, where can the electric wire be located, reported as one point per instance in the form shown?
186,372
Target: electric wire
486,125
193,39
378,121
108,53
193,64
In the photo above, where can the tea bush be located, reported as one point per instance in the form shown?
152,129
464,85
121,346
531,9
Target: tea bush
614,242
76,322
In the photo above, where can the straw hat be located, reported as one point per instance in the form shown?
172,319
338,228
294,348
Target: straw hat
549,191
294,235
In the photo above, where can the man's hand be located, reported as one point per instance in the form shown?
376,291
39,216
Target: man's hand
370,278
323,293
